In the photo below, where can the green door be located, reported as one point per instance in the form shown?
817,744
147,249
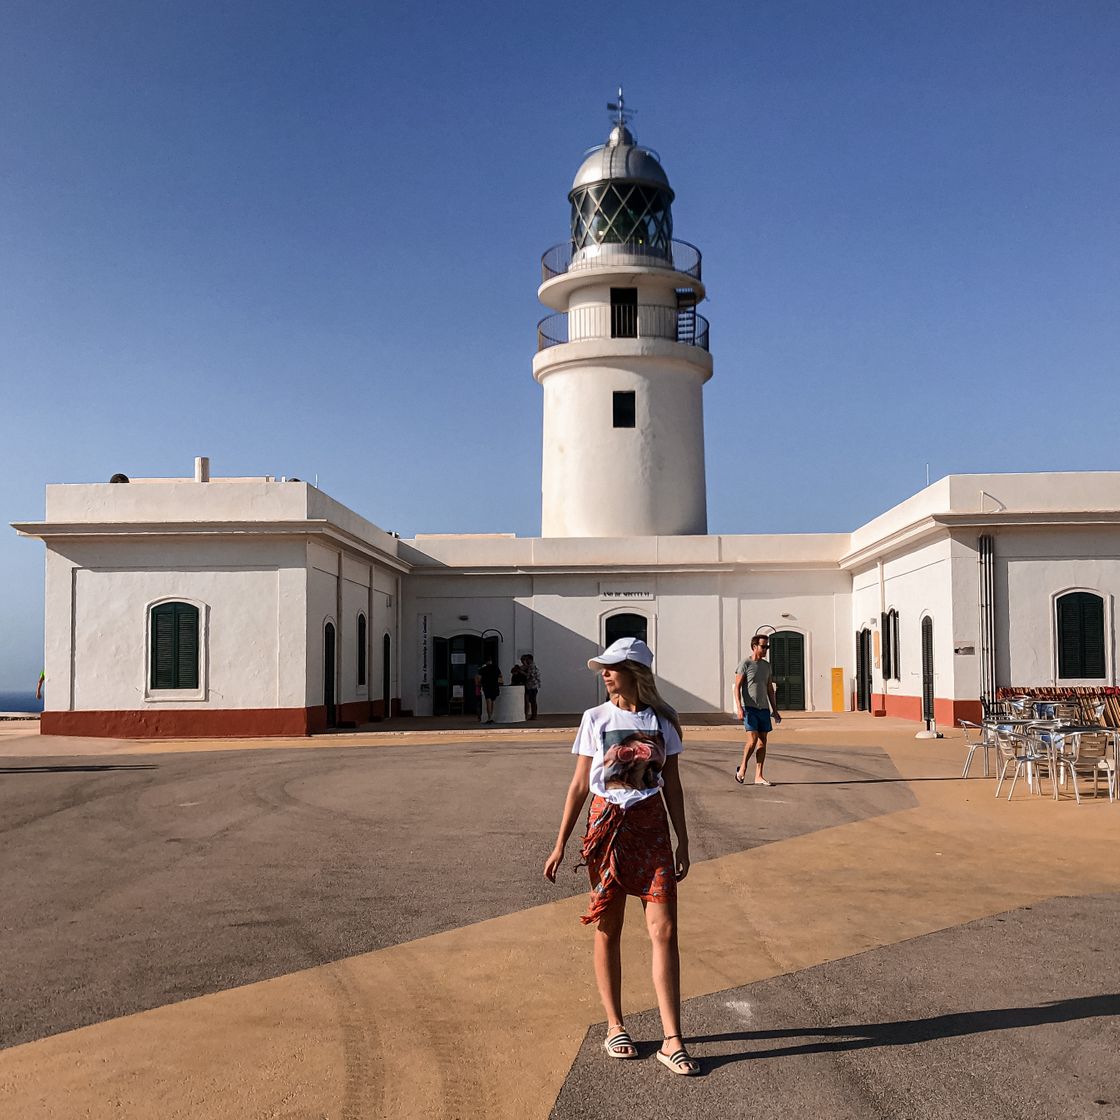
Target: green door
787,660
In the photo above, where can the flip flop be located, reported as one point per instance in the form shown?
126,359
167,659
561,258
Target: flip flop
741,781
614,1046
680,1062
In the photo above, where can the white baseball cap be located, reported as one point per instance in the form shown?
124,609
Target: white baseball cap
625,649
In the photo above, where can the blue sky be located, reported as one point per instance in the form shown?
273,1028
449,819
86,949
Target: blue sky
304,238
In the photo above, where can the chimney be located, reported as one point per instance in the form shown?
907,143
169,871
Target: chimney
201,469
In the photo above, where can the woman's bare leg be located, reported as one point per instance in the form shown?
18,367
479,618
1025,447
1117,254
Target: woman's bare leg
661,921
608,960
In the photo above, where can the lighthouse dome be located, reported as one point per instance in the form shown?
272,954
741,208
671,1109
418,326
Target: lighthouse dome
621,158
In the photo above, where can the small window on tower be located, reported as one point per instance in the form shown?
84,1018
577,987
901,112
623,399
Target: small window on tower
624,410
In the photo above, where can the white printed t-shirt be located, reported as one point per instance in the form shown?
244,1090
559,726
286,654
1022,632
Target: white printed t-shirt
628,751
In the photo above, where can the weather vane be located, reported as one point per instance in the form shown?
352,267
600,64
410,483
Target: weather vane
619,107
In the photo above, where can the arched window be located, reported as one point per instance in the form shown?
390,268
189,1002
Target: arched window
361,639
927,669
174,646
1080,633
624,626
329,679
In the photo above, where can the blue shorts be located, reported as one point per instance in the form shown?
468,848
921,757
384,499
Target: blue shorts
757,719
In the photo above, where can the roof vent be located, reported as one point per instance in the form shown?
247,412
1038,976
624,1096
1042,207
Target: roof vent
119,478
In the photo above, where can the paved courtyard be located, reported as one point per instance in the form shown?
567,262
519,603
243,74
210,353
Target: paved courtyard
356,926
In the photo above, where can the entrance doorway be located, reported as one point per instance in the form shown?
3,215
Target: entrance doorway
787,662
863,670
465,653
329,674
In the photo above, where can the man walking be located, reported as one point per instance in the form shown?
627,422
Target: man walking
489,680
756,697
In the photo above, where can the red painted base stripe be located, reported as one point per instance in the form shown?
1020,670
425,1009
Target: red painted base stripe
945,712
207,723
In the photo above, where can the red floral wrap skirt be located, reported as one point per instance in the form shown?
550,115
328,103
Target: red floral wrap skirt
628,851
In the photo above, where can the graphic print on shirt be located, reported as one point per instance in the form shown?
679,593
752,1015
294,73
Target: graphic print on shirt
632,759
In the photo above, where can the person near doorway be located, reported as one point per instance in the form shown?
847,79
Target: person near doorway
756,700
517,674
626,757
489,679
532,684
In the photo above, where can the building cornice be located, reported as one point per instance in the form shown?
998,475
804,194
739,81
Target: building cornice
935,524
614,571
116,530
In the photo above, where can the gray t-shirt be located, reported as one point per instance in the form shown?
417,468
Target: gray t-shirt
756,676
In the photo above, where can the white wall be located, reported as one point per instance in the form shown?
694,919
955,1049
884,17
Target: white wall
364,586
916,583
1033,566
658,484
699,626
250,596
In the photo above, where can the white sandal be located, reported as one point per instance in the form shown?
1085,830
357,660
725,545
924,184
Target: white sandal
620,1045
680,1061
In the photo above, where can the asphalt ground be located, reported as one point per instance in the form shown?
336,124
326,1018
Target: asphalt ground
1009,1017
361,930
135,882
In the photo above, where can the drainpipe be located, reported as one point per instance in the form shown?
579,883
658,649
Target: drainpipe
882,637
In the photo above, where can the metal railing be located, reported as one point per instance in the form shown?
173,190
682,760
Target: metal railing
584,323
558,260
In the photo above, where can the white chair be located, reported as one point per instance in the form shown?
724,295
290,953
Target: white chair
1090,754
977,738
1021,752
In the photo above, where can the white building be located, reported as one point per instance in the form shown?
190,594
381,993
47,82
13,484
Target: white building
199,606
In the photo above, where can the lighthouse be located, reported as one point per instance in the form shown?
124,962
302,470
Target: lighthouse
624,358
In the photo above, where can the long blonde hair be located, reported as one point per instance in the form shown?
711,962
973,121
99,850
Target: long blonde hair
648,694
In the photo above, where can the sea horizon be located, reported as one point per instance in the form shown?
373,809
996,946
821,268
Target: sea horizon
19,701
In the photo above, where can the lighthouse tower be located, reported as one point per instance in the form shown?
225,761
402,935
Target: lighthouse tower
623,363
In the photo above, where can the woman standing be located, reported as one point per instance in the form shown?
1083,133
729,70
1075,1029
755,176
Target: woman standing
627,754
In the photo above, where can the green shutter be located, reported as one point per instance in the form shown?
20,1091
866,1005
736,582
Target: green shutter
787,663
174,646
186,653
927,668
163,646
1092,637
1081,636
